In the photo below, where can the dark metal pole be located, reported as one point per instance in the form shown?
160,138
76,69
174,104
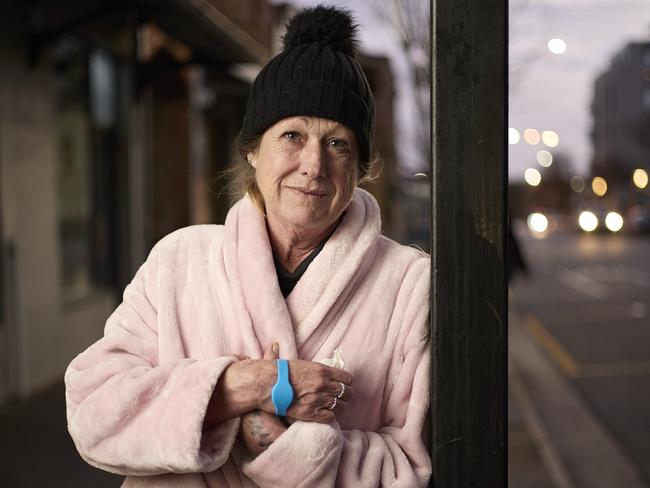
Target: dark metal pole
468,291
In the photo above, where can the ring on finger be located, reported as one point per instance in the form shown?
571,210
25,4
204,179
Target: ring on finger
342,390
331,407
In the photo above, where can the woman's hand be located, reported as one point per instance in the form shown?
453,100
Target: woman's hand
315,388
259,429
246,386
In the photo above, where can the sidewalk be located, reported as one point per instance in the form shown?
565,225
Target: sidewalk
572,445
525,466
36,450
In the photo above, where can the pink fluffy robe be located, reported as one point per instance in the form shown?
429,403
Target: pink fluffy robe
136,399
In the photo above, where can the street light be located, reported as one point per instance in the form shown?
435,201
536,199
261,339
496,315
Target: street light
577,184
557,46
550,138
614,221
640,178
532,177
544,158
599,186
588,221
513,135
537,223
531,136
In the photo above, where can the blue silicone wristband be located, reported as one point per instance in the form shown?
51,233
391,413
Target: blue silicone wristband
282,393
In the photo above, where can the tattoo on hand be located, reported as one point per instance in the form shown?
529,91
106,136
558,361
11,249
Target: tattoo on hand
258,431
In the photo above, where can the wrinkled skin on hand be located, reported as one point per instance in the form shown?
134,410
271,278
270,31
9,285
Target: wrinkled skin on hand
259,429
315,386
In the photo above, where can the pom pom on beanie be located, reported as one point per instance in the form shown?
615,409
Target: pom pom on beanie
326,25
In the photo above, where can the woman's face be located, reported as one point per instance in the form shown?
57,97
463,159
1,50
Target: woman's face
306,169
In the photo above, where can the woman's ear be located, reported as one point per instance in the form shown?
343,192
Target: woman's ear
250,157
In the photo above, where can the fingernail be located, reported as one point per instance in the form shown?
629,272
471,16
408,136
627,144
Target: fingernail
275,348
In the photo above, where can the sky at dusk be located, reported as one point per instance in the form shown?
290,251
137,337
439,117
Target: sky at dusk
554,92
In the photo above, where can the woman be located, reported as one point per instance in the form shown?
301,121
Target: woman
178,392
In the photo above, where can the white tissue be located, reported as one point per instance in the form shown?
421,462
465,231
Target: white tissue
336,361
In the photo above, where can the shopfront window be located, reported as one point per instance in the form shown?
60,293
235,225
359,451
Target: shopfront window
86,110
73,175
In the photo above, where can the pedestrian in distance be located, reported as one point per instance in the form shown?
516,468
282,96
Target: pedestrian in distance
517,264
288,347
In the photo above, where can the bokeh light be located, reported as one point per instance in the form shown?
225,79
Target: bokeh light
614,221
544,158
557,46
550,138
537,222
513,136
532,177
577,184
599,186
640,178
588,221
531,136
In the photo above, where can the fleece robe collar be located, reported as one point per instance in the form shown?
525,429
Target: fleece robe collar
303,322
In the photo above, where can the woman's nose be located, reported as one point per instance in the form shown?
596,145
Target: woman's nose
312,162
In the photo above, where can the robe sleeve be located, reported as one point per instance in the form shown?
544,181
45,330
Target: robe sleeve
309,454
130,414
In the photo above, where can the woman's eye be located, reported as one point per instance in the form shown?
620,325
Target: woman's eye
291,136
338,144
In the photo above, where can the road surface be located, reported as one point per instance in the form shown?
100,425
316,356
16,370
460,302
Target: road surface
587,306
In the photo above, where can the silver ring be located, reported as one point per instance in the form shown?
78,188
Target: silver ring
342,390
333,404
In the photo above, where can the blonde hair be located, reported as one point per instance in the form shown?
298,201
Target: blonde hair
241,180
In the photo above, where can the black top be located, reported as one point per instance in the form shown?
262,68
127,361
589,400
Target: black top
288,280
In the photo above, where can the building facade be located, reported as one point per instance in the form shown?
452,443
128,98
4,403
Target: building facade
621,129
621,114
114,119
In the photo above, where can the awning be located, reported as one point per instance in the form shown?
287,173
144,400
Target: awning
204,27
201,24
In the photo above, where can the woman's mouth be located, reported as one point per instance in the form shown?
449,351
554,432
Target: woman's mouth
307,193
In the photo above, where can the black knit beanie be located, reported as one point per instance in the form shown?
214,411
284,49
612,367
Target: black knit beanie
316,74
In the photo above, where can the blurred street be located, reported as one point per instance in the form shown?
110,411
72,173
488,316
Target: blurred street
586,309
